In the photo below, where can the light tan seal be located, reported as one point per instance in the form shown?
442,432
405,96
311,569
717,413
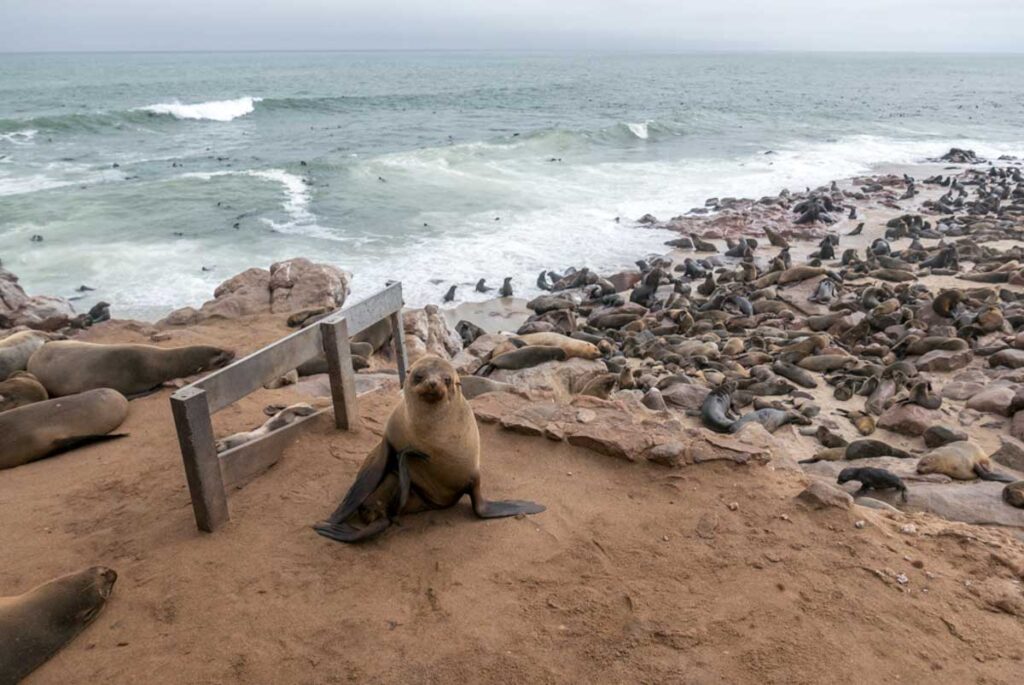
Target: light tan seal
279,420
428,459
68,367
19,389
962,460
37,624
15,350
41,429
572,346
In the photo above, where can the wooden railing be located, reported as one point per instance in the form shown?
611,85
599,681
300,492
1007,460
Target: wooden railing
209,473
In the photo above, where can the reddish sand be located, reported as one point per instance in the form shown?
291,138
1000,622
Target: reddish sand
636,573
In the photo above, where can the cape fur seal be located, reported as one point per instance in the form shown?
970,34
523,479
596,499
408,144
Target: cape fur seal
962,460
37,624
19,389
40,429
279,420
873,479
68,367
523,358
428,459
17,349
573,347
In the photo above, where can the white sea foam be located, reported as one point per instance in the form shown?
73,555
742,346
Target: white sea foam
639,130
214,110
19,137
21,185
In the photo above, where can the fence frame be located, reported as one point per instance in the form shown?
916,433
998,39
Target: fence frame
209,474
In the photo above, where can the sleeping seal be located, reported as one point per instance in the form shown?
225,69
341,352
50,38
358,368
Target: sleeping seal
15,351
67,367
40,429
428,459
962,460
37,624
19,389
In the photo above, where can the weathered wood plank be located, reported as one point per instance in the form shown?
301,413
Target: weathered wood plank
202,469
339,369
251,459
248,374
398,344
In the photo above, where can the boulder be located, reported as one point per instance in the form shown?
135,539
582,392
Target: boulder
430,328
44,313
289,286
12,297
1010,357
820,494
1017,426
993,400
909,419
471,358
685,395
944,360
559,380
1010,453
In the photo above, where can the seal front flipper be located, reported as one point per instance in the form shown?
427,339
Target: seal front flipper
343,532
500,509
369,477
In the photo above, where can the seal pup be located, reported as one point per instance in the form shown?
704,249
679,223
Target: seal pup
43,428
19,389
716,411
873,479
962,460
37,624
771,419
17,349
67,367
506,287
428,458
284,417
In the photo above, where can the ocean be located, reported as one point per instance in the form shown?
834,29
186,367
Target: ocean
153,177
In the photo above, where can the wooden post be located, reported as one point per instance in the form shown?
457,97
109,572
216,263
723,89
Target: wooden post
202,466
339,369
398,340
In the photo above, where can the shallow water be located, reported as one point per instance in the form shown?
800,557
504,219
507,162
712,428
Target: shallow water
436,168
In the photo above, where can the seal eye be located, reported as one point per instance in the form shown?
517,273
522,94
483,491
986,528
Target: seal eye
417,378
448,381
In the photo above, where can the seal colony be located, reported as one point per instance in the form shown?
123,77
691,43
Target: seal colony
734,341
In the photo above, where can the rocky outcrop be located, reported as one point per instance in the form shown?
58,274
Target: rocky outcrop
553,380
427,332
909,419
41,312
288,286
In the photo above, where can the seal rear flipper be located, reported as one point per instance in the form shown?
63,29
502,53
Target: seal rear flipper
502,508
369,477
985,474
343,532
67,444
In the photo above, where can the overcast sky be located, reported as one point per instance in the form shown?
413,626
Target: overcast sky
664,25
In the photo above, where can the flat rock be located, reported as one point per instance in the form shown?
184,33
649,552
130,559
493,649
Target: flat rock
685,395
909,419
820,494
554,379
1011,358
1010,453
944,360
993,400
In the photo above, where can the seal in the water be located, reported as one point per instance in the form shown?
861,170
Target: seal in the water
17,349
37,624
873,479
482,287
67,367
450,295
962,460
506,287
19,389
279,420
428,459
43,428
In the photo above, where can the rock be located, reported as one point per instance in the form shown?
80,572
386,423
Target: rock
431,329
961,390
1011,358
471,358
685,395
872,503
667,454
936,436
1010,453
559,380
993,400
289,286
909,419
1017,426
944,360
44,313
820,494
297,284
12,297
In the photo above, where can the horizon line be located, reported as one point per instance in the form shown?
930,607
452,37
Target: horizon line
665,51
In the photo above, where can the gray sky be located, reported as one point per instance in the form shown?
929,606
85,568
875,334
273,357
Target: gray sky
917,25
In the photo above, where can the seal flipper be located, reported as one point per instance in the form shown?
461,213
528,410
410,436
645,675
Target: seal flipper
343,532
369,477
984,474
500,509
